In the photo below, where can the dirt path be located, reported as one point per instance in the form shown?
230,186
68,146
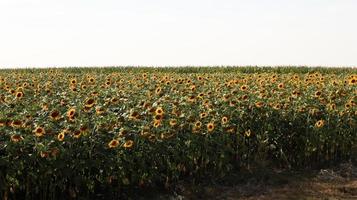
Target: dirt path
334,183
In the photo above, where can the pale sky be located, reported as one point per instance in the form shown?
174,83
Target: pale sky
48,33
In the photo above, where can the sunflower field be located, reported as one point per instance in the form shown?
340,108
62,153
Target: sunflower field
73,132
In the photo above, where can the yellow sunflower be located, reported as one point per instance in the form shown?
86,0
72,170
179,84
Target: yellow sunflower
39,131
113,143
210,127
128,144
320,123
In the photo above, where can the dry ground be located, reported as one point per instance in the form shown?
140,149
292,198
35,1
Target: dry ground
338,182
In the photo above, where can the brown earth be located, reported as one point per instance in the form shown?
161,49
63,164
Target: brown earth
325,184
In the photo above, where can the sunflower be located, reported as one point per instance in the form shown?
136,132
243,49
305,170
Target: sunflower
128,144
71,113
210,127
352,81
198,124
281,86
224,120
244,87
77,134
318,94
113,143
152,138
320,123
19,95
159,111
158,90
3,122
16,138
200,95
156,123
55,115
73,81
91,80
39,131
348,105
232,103
100,110
114,100
16,123
203,115
60,136
158,117
173,122
122,132
259,104
277,106
134,115
332,106
90,102
247,133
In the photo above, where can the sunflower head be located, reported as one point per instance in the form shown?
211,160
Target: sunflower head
77,134
244,87
156,123
55,115
173,122
128,144
39,131
224,120
113,143
16,123
259,104
159,111
320,123
210,127
90,102
203,115
16,138
60,136
19,95
198,124
71,113
318,94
